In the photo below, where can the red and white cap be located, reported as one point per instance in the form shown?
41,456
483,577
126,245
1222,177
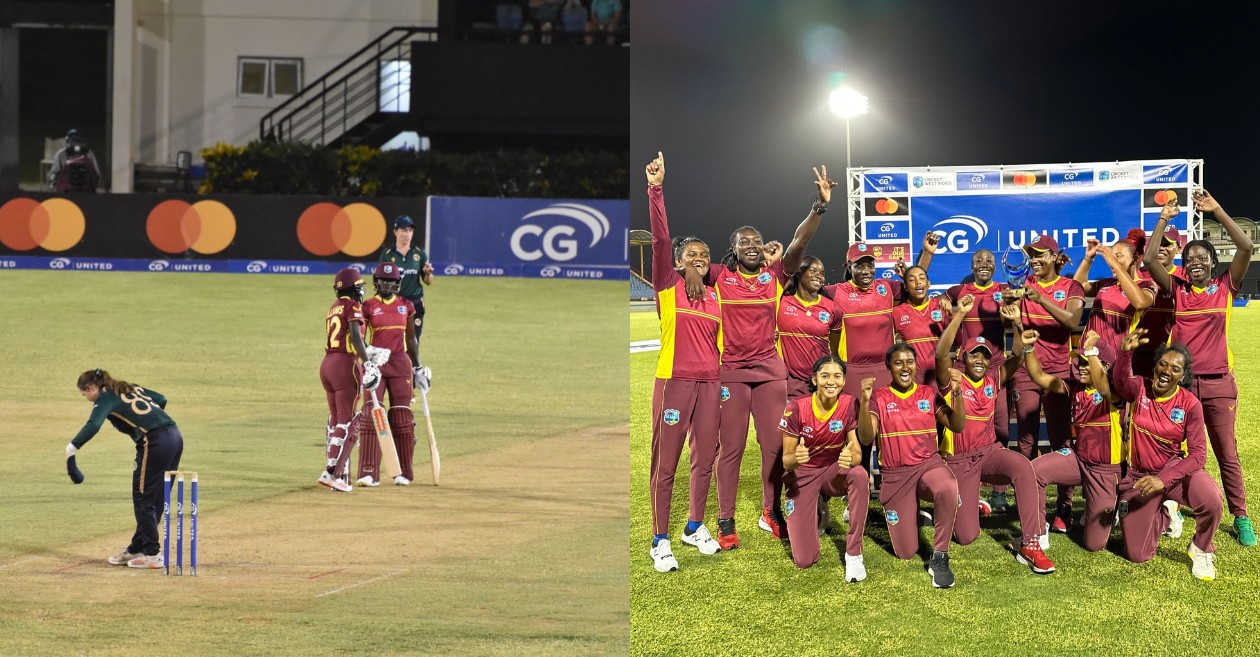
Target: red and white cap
1172,235
859,250
977,342
1042,243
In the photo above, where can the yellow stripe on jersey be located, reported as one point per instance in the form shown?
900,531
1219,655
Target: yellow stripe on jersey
697,313
916,432
886,311
669,325
1154,435
747,302
1229,353
946,448
1117,436
914,340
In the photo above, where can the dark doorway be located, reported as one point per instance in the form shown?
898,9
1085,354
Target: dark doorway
64,76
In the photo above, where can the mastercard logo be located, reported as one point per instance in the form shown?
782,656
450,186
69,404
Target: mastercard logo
1161,197
356,230
886,206
1024,179
176,226
56,224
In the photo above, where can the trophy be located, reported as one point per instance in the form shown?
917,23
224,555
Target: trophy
1016,274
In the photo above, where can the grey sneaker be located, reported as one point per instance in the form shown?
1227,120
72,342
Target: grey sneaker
123,557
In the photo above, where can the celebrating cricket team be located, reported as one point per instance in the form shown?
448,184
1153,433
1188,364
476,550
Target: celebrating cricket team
872,389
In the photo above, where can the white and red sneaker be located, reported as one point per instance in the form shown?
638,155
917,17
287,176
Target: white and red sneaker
1032,556
152,562
985,509
772,523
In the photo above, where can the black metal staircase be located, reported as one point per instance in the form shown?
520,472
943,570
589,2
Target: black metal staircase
349,104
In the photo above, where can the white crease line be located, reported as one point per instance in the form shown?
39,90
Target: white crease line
645,345
366,581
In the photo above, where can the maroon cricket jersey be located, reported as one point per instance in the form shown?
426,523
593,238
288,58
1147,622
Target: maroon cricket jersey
921,328
1202,322
343,313
1056,339
750,304
1095,425
387,323
803,330
824,432
979,400
864,320
984,319
1158,319
690,330
907,424
1113,315
1166,434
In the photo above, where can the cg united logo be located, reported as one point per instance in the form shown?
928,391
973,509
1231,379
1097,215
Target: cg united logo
159,265
1177,415
532,241
453,270
256,266
550,271
671,416
56,224
59,263
960,233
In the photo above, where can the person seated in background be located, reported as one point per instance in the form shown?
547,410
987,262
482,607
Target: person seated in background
606,19
509,16
74,167
543,16
573,19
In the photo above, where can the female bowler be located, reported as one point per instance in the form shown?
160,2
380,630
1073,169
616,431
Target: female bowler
1167,451
686,395
821,456
902,417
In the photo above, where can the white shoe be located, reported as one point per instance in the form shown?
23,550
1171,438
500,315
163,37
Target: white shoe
1177,522
1202,564
663,557
854,568
368,481
123,557
401,481
845,516
1044,539
925,519
143,561
338,485
702,540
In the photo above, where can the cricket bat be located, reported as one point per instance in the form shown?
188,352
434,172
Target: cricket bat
390,467
428,425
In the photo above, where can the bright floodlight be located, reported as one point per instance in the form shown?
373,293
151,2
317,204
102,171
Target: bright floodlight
846,102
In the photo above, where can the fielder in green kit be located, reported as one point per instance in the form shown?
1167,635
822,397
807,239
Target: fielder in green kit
139,413
414,264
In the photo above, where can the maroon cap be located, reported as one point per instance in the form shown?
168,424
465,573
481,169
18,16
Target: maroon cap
1042,243
1106,353
977,342
387,271
347,278
858,251
1172,235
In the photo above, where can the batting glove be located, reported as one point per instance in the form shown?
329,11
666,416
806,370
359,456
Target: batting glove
422,378
371,375
378,355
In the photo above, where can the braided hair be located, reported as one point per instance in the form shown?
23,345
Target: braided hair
730,259
100,377
680,245
1207,246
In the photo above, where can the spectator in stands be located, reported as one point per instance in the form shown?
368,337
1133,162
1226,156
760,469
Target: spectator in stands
606,19
573,19
543,16
509,16
74,167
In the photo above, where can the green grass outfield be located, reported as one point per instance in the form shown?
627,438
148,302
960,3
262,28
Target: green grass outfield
754,601
520,551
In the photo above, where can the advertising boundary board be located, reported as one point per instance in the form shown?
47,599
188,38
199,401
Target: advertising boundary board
1002,207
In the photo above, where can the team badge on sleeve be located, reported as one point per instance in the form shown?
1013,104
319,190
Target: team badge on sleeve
671,416
764,277
726,393
836,426
892,517
1177,415
824,316
1060,295
783,423
1065,451
925,405
937,316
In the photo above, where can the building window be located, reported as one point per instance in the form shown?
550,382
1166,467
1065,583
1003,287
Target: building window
267,77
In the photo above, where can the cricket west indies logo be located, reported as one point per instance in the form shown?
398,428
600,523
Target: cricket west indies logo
53,225
532,241
326,229
176,226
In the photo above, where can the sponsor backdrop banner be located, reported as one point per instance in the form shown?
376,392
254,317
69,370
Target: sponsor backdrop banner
529,237
1000,208
308,235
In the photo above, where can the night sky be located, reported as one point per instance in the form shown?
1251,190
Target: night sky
735,93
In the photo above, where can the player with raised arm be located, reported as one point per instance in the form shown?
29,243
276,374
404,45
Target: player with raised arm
749,283
1167,452
902,416
1093,459
1052,305
822,457
1120,299
973,454
1203,301
686,395
1158,319
141,414
390,326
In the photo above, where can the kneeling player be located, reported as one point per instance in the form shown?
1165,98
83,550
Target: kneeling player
821,455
